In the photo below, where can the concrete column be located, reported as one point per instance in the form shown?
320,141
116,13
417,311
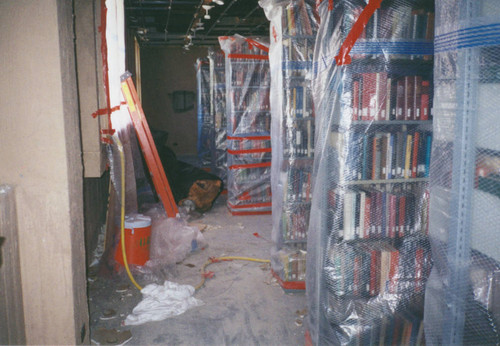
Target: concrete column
40,154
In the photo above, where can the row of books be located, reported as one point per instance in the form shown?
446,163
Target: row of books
297,185
249,158
377,270
394,23
250,122
371,213
402,328
219,58
385,155
295,222
380,96
259,192
237,144
298,50
255,100
297,20
299,140
294,265
250,175
299,102
250,75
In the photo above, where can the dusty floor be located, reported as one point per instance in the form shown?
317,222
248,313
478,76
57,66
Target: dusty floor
243,304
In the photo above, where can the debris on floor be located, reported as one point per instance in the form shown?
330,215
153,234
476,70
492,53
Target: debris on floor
111,337
201,226
108,314
162,301
301,313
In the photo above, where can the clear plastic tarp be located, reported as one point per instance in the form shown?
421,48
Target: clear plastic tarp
205,121
218,110
248,124
368,254
293,26
462,300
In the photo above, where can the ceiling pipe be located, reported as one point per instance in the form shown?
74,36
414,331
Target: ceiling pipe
168,20
194,16
257,27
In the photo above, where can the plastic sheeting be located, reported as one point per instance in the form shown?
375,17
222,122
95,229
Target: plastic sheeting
172,239
368,256
205,121
293,26
462,303
218,111
248,124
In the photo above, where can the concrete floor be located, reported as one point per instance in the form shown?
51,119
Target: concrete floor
243,303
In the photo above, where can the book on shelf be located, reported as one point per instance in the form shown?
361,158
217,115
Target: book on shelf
379,96
297,20
378,269
294,265
372,213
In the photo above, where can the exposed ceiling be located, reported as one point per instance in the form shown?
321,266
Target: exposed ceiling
184,22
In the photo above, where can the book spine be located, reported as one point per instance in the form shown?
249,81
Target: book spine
417,94
355,100
409,85
424,100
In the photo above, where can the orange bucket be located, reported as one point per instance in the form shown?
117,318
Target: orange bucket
137,240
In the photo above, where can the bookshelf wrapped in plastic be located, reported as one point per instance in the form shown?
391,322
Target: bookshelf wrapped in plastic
293,25
462,301
218,111
368,254
248,124
205,122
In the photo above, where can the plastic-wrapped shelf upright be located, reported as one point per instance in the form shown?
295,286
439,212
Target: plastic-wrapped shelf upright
205,122
293,27
462,298
248,125
368,254
218,111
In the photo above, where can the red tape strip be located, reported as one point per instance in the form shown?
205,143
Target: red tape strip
254,205
343,57
251,165
248,56
249,151
255,138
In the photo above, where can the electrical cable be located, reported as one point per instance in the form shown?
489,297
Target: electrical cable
220,259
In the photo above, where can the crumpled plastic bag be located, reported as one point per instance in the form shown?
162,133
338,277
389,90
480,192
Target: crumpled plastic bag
172,239
162,301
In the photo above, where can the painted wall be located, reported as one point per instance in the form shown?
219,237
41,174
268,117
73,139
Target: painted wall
40,154
165,70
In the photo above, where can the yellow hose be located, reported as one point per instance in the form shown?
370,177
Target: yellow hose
122,229
225,258
122,216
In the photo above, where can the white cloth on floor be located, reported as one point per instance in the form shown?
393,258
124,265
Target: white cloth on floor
162,301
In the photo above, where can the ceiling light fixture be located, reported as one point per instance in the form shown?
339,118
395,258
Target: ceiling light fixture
218,2
206,8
